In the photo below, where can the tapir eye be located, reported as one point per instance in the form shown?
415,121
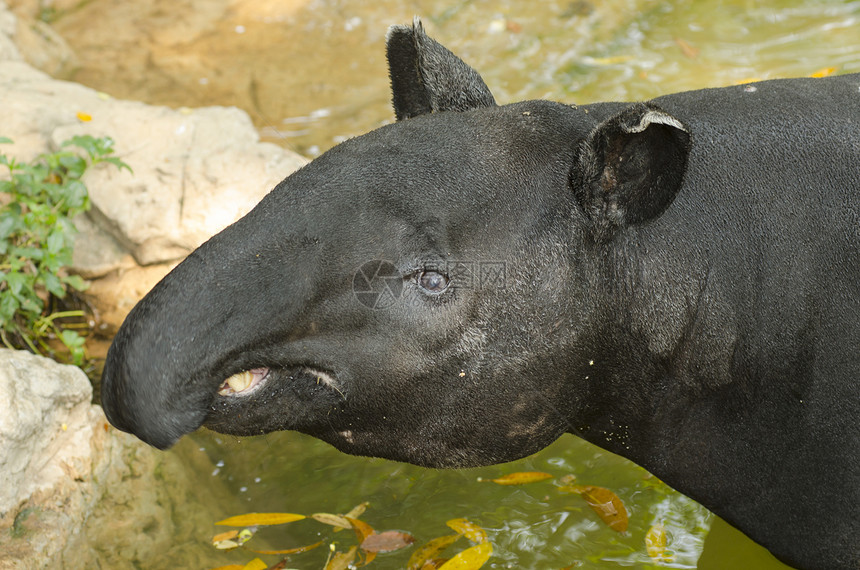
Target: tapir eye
433,281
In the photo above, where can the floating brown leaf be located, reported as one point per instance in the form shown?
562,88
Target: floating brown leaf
297,550
607,505
421,557
231,539
333,520
468,529
471,558
230,567
387,541
522,478
225,540
688,50
260,519
362,529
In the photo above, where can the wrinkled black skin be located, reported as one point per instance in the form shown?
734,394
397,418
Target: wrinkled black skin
685,296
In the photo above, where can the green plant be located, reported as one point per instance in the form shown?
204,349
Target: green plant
37,204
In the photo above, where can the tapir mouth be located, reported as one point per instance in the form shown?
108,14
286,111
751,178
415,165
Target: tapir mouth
248,382
244,383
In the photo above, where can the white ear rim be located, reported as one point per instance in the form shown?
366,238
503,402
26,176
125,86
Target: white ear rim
657,117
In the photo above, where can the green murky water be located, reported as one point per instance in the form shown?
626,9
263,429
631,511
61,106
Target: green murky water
311,73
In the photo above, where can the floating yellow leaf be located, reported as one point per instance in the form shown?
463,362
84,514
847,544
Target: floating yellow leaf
655,541
354,513
357,510
231,539
468,529
607,505
825,72
298,550
470,559
427,552
261,519
84,117
522,478
255,564
333,520
342,560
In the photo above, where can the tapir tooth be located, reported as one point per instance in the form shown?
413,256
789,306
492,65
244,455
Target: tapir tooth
236,383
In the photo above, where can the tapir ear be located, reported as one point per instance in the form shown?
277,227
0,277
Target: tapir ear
427,78
630,167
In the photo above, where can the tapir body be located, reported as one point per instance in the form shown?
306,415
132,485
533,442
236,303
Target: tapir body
676,281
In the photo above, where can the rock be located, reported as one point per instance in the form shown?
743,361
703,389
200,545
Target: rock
45,426
194,171
8,49
79,494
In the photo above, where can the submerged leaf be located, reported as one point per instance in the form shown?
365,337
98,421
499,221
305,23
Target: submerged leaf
607,505
261,519
470,559
387,541
468,529
655,542
522,478
342,560
426,553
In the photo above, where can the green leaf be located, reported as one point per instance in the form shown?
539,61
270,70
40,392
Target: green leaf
8,307
53,284
16,282
76,282
73,164
56,241
72,339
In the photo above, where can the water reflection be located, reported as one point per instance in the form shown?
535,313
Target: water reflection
530,526
311,73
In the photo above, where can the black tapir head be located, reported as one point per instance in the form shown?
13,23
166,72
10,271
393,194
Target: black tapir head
426,292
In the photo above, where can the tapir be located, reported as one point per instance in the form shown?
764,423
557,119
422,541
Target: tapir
676,281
